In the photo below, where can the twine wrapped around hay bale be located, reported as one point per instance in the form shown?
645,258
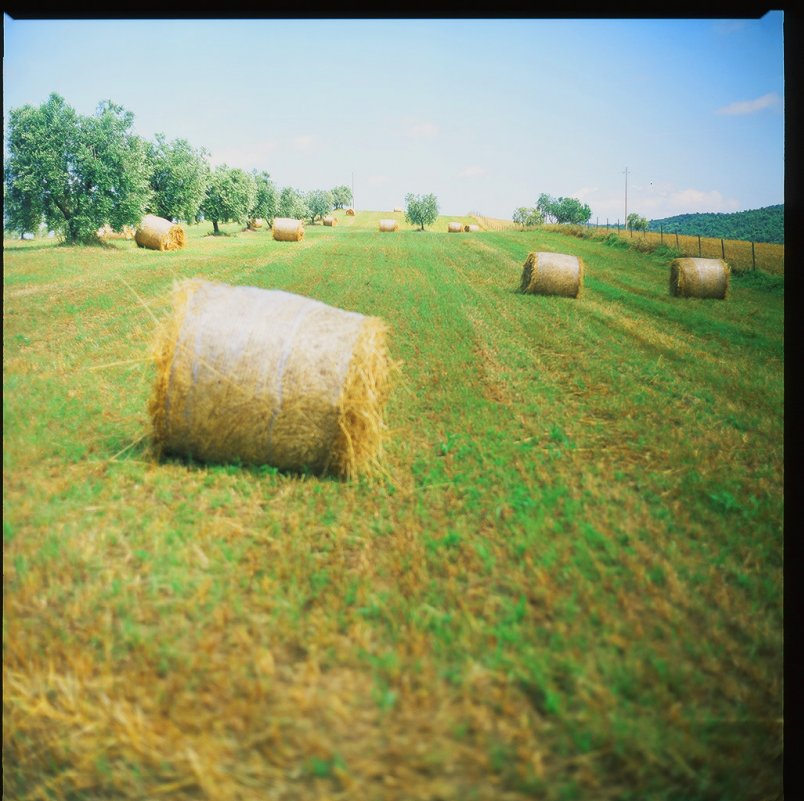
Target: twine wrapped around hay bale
699,278
389,225
547,273
269,377
157,233
350,212
288,230
330,221
455,227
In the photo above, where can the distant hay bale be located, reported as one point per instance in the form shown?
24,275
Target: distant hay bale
288,230
330,221
552,274
471,228
107,232
389,225
255,224
699,278
157,233
397,209
350,212
455,227
269,377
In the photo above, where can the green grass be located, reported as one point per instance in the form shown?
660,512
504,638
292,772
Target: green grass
567,584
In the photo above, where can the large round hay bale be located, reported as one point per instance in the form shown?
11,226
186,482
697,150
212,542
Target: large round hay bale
288,230
157,233
699,278
269,377
330,221
455,227
547,273
350,212
389,225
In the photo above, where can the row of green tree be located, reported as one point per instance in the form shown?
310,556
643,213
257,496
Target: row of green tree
755,225
560,210
75,174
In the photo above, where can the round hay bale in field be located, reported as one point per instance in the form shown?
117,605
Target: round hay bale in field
256,224
350,212
699,278
269,377
330,221
397,208
389,225
455,227
552,274
157,233
471,228
288,230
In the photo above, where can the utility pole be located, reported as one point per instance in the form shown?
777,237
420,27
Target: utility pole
353,190
626,196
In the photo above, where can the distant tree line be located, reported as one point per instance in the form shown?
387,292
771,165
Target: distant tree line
74,174
757,225
559,210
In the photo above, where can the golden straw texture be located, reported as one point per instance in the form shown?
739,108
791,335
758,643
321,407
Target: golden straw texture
547,273
699,278
350,212
269,377
157,233
330,221
288,230
455,227
389,225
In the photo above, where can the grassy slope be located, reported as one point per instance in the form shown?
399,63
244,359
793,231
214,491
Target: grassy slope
568,584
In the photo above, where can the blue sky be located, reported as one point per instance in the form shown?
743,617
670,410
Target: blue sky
486,114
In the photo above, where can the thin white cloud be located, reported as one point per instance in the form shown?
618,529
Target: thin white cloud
696,200
584,193
423,130
304,142
740,107
472,171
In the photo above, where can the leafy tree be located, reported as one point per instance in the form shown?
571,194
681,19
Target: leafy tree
546,206
266,200
77,173
527,217
636,223
179,176
291,204
421,209
319,203
230,196
563,209
341,196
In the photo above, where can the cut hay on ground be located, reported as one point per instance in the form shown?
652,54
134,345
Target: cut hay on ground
699,278
288,230
389,225
330,221
269,377
157,233
350,212
552,274
455,227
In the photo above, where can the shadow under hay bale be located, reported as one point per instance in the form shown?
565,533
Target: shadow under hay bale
699,278
547,273
389,225
269,377
455,227
288,230
330,221
157,233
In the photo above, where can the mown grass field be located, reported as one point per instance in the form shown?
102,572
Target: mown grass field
566,585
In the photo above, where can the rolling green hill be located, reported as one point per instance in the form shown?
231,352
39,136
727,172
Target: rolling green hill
757,225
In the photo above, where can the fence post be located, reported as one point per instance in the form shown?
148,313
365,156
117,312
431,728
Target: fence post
699,246
677,247
722,249
753,257
661,234
607,223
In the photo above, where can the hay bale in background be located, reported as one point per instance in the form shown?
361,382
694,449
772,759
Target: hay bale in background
471,228
397,209
157,233
455,227
552,274
253,225
699,278
350,212
330,221
107,232
389,225
288,230
269,377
